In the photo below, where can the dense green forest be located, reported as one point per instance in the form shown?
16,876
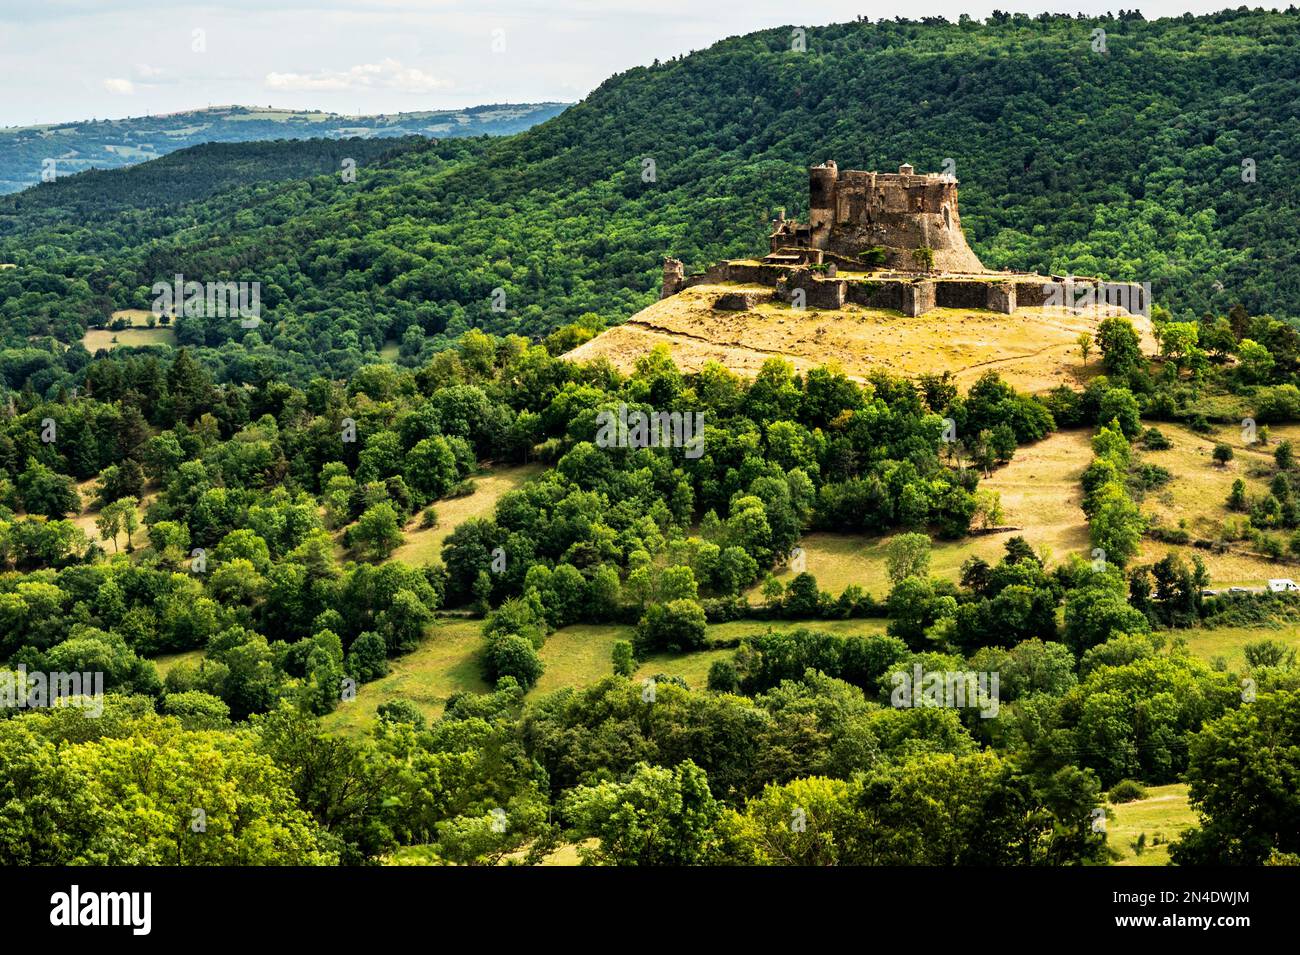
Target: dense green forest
213,525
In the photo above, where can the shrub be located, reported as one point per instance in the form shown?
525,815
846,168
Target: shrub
722,676
1269,653
1153,439
1127,790
624,659
907,555
873,256
512,656
1237,497
1150,476
197,710
401,711
368,658
1269,546
462,489
724,609
1169,535
802,598
675,626
1279,403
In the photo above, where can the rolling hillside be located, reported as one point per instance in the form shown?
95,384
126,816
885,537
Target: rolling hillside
32,154
141,195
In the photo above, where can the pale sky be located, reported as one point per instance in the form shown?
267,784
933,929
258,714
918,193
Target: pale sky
65,60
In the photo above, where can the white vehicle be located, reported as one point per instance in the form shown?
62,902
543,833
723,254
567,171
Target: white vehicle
1282,585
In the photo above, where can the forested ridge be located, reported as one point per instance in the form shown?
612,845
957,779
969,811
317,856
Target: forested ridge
110,208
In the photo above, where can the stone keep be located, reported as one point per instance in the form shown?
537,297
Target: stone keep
851,212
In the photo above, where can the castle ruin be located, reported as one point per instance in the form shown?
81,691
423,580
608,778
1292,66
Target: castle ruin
887,241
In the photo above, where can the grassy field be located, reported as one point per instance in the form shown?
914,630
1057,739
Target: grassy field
259,114
1041,497
579,655
445,663
843,628
1199,490
423,545
1227,642
448,662
691,667
138,334
138,317
86,519
1198,494
582,654
168,661
97,338
1162,816
565,855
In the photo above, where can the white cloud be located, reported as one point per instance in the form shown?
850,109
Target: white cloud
147,72
119,86
386,74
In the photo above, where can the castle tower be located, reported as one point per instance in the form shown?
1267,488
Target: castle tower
674,277
912,217
822,182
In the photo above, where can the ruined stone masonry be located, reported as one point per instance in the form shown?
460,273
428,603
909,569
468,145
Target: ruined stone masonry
852,212
888,241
